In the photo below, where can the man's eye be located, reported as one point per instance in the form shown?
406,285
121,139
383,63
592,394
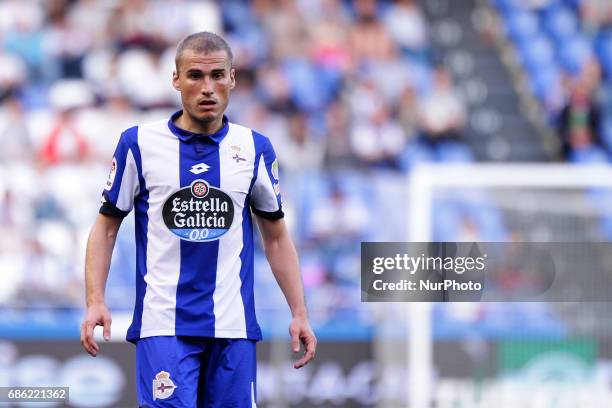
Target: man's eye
194,75
218,75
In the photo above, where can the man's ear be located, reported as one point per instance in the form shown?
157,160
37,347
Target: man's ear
175,80
232,78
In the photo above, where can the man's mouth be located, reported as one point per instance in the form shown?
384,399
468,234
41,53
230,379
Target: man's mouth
207,102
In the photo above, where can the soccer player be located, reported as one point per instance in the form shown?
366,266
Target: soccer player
193,181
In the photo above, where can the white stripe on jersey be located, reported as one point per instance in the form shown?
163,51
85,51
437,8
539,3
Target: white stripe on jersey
125,201
265,186
236,175
160,150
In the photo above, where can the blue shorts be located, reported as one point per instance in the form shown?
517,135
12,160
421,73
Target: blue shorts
182,371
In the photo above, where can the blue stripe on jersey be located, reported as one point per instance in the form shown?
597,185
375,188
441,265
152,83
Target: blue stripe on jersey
141,206
198,269
246,255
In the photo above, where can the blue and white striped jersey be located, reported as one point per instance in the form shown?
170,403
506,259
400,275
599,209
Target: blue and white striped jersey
192,197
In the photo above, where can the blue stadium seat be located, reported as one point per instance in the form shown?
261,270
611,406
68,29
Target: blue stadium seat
574,53
522,26
414,154
572,4
421,77
510,6
251,37
447,221
454,152
560,23
544,81
236,14
606,227
589,155
537,54
308,91
504,5
606,133
604,51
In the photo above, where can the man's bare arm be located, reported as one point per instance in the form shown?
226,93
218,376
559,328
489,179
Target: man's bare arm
97,263
283,260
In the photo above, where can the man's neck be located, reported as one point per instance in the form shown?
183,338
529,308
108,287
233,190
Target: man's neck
203,128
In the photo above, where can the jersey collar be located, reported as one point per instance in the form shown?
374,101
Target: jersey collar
187,136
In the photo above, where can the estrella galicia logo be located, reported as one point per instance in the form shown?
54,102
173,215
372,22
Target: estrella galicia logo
199,212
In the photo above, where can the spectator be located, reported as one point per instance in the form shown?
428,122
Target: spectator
15,143
12,75
337,150
442,113
579,120
407,27
300,150
338,217
408,112
379,139
329,30
325,77
66,44
370,40
287,30
64,141
25,39
595,14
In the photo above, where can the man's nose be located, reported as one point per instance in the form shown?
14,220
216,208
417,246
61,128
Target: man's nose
207,87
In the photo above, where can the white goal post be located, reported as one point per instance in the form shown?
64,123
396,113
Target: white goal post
423,182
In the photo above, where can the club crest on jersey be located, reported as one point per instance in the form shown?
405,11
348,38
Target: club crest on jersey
163,386
111,175
199,212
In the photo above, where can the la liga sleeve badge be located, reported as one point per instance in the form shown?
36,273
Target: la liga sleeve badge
111,175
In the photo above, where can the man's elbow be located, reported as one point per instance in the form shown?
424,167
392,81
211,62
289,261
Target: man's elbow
272,245
111,234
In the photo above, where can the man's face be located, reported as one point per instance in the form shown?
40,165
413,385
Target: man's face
205,81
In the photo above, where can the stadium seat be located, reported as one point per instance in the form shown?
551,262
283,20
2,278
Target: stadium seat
308,91
414,154
603,48
522,26
589,155
606,134
447,223
544,81
537,54
454,152
560,23
574,53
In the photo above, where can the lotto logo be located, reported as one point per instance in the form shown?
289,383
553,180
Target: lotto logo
199,168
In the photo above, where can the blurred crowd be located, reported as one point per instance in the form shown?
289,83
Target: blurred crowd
347,91
565,47
351,93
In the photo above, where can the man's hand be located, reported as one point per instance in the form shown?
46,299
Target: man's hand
97,315
301,332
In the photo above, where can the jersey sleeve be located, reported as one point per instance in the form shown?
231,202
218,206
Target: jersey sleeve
122,185
265,195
